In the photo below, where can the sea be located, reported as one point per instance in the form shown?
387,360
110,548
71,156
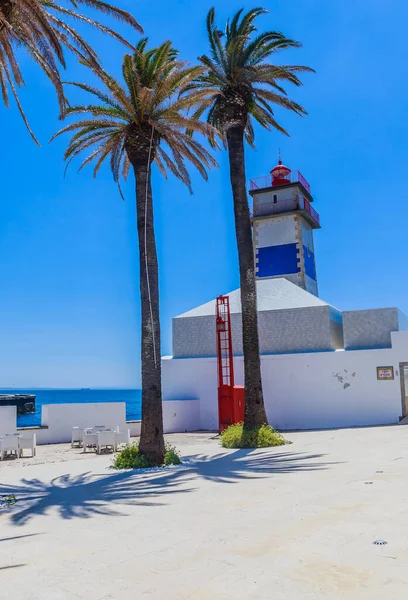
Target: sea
133,399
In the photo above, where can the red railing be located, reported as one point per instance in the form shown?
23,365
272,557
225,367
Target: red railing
266,181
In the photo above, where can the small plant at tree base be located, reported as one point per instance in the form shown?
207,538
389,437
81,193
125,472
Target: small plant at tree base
171,456
6,501
131,458
263,436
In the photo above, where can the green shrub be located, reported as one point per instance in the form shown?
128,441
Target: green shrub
235,436
130,458
6,501
172,456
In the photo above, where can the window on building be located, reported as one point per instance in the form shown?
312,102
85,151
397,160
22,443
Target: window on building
275,198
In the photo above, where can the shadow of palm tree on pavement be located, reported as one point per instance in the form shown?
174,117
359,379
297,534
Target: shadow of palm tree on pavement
87,494
248,463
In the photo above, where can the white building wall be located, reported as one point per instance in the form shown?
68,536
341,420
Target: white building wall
331,390
275,231
399,343
181,415
311,285
303,391
307,235
264,200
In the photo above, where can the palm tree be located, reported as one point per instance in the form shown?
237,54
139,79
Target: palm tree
40,28
134,125
242,85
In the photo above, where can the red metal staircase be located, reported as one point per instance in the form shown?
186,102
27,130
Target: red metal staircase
231,399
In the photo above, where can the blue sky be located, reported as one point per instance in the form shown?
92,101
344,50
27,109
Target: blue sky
69,303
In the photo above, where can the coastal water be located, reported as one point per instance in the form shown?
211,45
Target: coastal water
131,397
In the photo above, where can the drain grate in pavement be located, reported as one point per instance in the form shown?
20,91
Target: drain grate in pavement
380,542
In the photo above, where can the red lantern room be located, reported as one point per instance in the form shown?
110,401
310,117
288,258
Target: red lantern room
280,174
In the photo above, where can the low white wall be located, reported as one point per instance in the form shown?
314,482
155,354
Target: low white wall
303,391
186,378
8,419
181,415
60,418
134,428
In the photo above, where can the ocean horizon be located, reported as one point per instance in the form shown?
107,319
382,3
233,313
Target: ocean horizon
131,397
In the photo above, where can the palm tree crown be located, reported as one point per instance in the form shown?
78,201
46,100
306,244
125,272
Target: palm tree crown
240,81
133,122
40,27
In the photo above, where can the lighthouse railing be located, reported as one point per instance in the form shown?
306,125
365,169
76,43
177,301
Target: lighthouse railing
304,204
259,183
264,208
302,180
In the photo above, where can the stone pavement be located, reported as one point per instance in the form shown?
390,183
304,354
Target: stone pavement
294,522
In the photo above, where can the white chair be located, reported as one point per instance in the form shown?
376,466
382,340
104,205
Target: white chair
28,442
76,436
9,443
122,437
106,439
89,438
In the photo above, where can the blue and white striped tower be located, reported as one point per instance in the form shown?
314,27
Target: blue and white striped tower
283,224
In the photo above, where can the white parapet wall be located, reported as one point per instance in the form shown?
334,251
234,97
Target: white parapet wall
57,420
303,391
8,419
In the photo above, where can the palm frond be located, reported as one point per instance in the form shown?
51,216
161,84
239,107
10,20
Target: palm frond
42,29
20,108
214,38
112,11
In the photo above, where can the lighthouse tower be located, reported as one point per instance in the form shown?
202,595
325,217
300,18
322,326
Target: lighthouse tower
283,224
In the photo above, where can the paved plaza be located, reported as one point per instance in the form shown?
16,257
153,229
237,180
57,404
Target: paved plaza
294,522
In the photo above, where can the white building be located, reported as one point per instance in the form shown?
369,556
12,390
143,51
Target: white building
320,367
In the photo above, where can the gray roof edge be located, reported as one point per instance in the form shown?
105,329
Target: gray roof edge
376,308
272,291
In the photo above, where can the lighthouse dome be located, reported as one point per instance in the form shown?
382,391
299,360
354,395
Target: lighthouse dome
280,174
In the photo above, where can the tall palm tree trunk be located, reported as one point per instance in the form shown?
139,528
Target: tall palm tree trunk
254,404
151,438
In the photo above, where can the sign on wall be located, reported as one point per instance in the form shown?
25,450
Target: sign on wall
385,372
